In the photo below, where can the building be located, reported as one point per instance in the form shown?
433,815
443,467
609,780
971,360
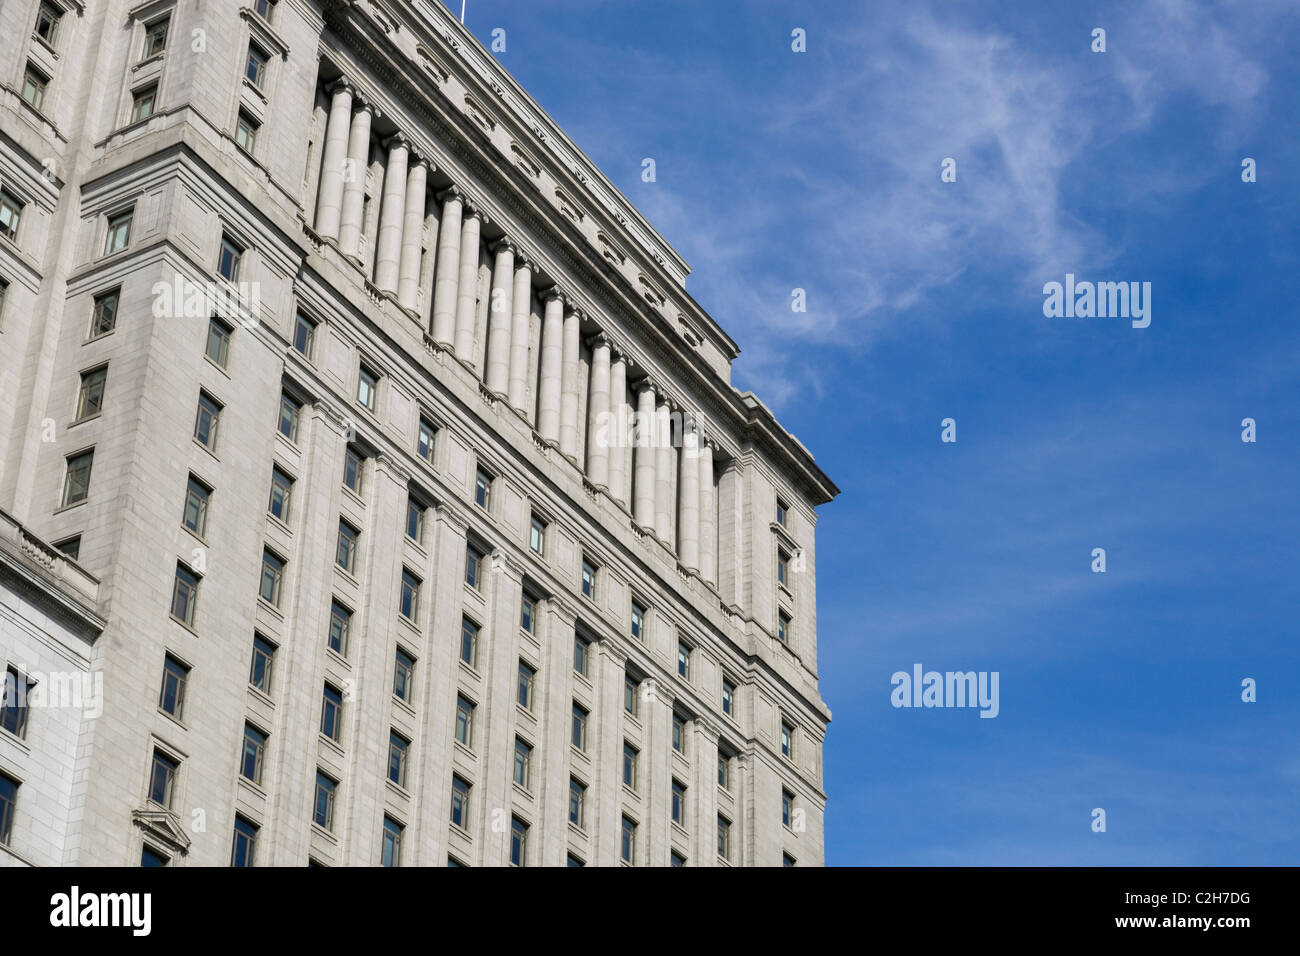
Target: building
402,477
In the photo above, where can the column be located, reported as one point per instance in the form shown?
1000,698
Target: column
703,816
329,202
444,282
689,493
517,373
392,215
646,423
500,316
354,183
663,473
603,428
499,662
569,390
604,791
467,284
548,389
618,428
708,532
408,269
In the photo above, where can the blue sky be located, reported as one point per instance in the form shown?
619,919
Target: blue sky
778,170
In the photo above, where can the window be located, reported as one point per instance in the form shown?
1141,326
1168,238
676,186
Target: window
459,803
483,489
259,671
630,695
218,344
410,600
528,613
469,642
8,798
404,676
195,517
345,555
35,84
780,512
11,214
679,803
331,713
782,567
264,8
676,859
787,740
783,627
415,520
398,746
70,546
340,626
724,837
724,771
228,259
588,579
679,734
76,483
574,861
47,23
537,536
424,442
684,659
171,698
577,803
119,231
281,494
527,683
250,766
630,755
255,65
638,621
155,37
473,566
185,595
367,388
787,860
304,335
162,778
523,763
206,418
103,317
245,846
142,102
518,842
151,857
581,650
392,852
13,714
4,291
627,844
579,732
465,721
272,578
787,807
728,698
288,424
90,397
323,811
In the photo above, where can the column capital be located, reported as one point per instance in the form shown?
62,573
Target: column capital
522,261
706,726
417,158
364,104
553,293
611,652
472,211
504,244
646,384
452,193
601,339
395,469
398,140
563,608
452,519
332,415
343,85
502,563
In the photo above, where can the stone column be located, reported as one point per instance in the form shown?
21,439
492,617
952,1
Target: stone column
517,373
663,473
548,388
605,788
448,268
689,493
500,314
646,426
467,285
617,431
354,183
329,201
572,345
708,531
499,663
602,427
703,816
392,215
408,270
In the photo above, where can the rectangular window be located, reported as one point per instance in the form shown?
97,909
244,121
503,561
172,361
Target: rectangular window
724,837
724,771
527,683
245,845
206,419
424,442
575,861
14,708
473,567
415,520
11,214
228,259
787,740
410,599
392,852
90,397
684,660
528,613
459,803
537,536
340,627
151,857
323,811
523,763
8,799
288,423
281,494
469,642
304,335
627,843
679,803
103,316
255,65
404,676
787,807
783,627
142,102
398,746
69,546
679,734
76,482
780,512
259,671
195,517
171,698
518,842
676,859
367,388
630,694
630,755
728,698
185,595
782,567
155,37
35,83
588,579
483,489
577,803
118,236
272,577
581,650
331,713
47,23
578,735
787,860
250,766
162,778
638,621
218,344
264,9
465,721
345,556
